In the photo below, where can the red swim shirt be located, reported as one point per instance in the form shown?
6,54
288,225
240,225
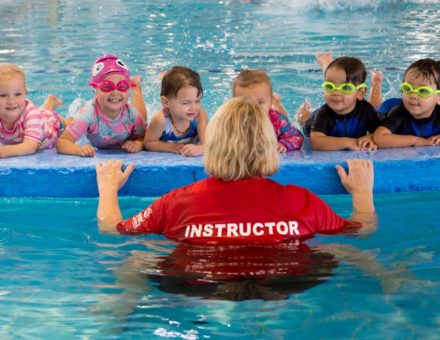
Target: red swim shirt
246,211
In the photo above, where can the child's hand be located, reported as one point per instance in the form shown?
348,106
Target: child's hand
87,151
132,146
353,144
190,150
366,143
281,148
435,140
420,141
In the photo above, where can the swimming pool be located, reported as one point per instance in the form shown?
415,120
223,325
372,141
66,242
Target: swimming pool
61,278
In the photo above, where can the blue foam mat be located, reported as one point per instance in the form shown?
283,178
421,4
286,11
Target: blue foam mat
47,174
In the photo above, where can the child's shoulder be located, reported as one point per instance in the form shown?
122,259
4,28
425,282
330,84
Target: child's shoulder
364,107
159,118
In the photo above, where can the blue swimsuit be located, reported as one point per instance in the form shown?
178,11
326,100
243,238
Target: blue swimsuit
190,137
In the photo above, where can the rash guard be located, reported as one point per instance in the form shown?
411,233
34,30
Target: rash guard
254,210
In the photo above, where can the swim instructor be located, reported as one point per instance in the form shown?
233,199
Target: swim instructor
237,204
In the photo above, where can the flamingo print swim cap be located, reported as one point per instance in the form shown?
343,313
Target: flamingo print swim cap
108,64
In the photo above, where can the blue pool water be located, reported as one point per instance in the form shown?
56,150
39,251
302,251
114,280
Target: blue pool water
60,278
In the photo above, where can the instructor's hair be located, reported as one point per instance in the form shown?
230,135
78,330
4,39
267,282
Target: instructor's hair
240,142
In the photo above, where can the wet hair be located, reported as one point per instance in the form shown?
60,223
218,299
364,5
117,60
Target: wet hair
247,78
354,69
428,68
10,71
177,78
240,142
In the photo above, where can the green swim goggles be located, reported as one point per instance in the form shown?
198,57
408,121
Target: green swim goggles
345,88
422,91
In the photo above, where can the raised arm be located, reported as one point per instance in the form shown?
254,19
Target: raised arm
359,183
110,178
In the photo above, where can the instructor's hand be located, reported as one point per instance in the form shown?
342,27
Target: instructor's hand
110,176
360,176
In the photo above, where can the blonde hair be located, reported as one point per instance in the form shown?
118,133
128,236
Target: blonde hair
247,78
240,142
10,71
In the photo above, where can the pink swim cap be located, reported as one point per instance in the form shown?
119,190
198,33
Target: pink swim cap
108,64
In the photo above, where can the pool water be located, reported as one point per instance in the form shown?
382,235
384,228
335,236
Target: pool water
60,278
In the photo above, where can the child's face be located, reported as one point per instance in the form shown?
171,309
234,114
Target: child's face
339,102
185,105
417,106
12,99
111,103
262,93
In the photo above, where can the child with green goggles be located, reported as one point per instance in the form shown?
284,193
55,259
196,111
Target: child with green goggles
346,120
415,122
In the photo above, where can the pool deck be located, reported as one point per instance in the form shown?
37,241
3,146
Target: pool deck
47,174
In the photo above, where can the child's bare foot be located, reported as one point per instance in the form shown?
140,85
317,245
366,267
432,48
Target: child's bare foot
136,79
65,121
303,113
375,98
52,102
324,59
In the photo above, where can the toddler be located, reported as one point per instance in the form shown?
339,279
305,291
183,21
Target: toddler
108,120
24,127
257,85
415,122
346,120
181,123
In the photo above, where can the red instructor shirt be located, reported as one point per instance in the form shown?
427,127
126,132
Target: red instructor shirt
254,210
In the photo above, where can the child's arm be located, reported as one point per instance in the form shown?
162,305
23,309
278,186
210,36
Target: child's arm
384,138
138,98
27,147
66,145
289,137
136,141
197,150
152,136
322,142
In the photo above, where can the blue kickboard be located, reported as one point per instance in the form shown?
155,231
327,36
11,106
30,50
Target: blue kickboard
48,174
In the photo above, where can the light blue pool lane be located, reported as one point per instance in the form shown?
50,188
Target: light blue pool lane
47,174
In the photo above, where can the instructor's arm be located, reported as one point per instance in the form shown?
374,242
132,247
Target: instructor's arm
110,178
